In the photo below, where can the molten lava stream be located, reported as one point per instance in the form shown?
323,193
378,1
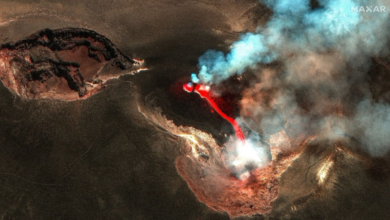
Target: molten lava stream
204,93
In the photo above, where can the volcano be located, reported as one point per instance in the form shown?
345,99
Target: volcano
66,64
85,134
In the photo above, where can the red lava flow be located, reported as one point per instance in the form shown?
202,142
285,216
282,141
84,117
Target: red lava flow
204,92
213,183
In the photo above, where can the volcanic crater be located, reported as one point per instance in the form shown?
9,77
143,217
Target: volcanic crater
66,64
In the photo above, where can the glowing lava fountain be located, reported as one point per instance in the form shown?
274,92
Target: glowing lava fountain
204,92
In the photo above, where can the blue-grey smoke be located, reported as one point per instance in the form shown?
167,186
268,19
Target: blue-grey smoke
295,28
245,53
373,120
324,54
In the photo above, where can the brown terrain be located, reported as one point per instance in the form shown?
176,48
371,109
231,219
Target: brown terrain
140,149
67,64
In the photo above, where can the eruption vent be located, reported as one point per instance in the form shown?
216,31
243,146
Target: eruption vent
204,92
312,79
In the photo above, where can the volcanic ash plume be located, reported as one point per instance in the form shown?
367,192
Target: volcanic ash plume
319,81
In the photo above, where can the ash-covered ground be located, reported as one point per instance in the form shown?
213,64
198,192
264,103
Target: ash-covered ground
101,158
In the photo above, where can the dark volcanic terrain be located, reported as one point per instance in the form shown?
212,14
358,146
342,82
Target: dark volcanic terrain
65,64
105,157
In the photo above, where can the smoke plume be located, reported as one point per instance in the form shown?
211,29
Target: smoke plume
320,84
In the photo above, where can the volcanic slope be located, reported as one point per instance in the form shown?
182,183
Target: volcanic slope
66,64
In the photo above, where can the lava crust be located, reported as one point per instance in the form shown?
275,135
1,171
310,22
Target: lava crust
67,64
